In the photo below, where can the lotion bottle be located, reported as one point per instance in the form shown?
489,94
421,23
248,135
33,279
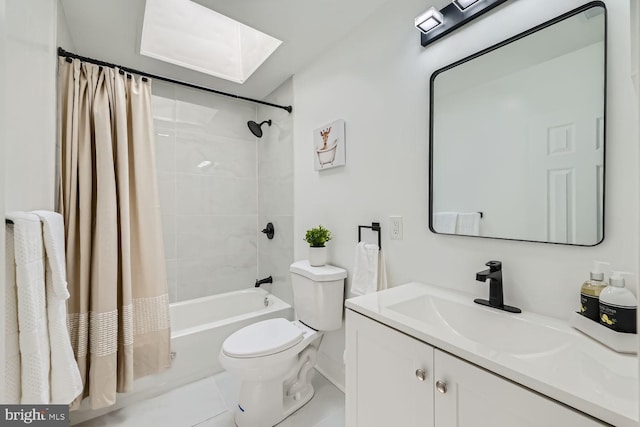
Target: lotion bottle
618,305
590,292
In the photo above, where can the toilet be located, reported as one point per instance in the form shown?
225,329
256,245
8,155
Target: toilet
275,358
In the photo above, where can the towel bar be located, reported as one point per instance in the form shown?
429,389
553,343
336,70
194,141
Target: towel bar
375,226
8,221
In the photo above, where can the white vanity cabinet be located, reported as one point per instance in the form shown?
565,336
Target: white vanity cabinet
389,376
393,379
469,396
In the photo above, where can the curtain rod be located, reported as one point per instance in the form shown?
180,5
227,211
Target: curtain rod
64,53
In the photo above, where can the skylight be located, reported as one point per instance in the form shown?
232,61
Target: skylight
192,36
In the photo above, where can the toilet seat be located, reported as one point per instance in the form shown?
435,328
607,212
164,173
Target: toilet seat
262,339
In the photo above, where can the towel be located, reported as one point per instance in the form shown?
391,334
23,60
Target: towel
445,222
382,271
468,224
32,309
66,383
369,274
11,383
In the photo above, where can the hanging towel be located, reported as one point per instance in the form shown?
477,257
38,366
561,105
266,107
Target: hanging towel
11,383
382,271
66,383
365,269
369,273
32,309
468,224
445,222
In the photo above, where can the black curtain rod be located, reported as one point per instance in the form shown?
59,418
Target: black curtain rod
64,53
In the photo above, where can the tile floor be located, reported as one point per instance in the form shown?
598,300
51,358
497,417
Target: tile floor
210,402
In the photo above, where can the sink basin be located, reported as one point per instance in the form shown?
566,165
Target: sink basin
494,329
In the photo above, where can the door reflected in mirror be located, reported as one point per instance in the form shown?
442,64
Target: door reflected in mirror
518,136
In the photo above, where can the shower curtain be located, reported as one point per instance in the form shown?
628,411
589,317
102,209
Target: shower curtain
118,312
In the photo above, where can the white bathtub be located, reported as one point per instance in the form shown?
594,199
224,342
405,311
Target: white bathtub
198,328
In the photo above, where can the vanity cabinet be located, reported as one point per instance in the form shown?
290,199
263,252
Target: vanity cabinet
389,376
393,379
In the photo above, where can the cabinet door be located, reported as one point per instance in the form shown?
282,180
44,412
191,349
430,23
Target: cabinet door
477,398
389,378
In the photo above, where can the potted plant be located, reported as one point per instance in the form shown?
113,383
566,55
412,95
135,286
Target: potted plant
316,238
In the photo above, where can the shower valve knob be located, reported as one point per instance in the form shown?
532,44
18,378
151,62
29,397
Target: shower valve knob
269,230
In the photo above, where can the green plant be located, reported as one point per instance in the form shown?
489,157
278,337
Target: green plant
317,236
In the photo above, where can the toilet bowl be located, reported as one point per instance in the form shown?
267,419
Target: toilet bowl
274,358
273,383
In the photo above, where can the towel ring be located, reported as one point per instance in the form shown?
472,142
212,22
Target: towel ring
375,226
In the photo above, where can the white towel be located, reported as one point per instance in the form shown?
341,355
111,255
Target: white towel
369,274
32,310
382,271
12,383
66,383
445,222
468,224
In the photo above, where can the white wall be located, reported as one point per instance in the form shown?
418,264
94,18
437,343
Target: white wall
64,35
376,79
31,99
3,85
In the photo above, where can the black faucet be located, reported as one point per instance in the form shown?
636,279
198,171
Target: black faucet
496,300
263,281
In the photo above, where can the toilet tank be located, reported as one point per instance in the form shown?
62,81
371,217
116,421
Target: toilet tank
318,294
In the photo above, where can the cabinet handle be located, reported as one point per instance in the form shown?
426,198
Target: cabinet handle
421,374
441,386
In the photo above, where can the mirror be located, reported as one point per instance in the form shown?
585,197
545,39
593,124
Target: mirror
517,136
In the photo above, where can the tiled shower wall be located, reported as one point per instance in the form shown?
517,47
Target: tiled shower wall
275,191
207,180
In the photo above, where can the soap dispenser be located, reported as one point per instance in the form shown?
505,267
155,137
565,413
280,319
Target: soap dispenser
590,292
618,305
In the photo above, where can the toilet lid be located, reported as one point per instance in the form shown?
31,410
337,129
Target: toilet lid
262,338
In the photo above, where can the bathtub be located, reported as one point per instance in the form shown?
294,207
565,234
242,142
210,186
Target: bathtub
198,328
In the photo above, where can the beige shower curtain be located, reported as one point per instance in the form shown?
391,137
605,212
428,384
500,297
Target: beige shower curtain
118,312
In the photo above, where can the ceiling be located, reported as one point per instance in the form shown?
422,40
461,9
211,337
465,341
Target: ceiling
110,31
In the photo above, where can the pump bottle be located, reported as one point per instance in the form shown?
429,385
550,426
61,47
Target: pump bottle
618,305
590,292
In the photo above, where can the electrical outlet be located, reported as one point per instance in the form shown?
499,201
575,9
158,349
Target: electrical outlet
396,227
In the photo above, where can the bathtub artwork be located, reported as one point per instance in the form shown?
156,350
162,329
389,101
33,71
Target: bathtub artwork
329,146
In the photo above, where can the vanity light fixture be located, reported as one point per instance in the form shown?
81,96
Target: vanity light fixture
464,4
435,24
429,20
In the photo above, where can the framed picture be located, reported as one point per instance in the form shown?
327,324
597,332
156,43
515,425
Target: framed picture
329,146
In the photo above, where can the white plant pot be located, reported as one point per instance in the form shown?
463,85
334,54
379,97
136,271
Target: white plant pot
317,256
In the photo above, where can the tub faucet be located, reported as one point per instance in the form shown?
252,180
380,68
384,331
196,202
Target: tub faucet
494,275
263,281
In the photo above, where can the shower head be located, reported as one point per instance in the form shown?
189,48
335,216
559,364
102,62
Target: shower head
256,128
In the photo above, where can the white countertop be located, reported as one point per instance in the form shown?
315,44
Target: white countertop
565,365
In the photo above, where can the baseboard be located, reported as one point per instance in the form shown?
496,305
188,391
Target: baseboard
331,377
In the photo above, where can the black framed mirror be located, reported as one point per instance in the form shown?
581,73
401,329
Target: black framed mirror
517,136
